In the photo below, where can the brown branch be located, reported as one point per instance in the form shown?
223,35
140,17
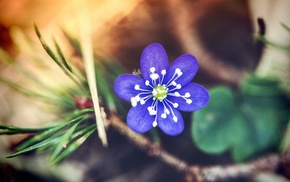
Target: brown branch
199,173
219,172
146,145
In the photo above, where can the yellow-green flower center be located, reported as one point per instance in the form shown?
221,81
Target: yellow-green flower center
160,92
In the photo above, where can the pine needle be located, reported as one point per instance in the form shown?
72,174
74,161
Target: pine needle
88,56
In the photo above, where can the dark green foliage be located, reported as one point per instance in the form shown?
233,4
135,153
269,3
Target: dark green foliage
246,122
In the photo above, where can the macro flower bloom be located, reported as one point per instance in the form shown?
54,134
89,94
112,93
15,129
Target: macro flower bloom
161,92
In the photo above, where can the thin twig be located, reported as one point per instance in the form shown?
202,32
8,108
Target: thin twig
199,173
219,172
146,145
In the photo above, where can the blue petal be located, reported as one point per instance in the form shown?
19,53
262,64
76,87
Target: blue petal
168,125
198,94
188,65
124,86
153,55
138,118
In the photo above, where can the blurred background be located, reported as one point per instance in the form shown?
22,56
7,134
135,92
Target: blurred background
220,33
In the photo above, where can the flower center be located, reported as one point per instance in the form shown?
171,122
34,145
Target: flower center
157,89
160,92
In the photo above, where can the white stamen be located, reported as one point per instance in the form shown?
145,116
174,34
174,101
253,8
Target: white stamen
151,111
145,98
133,102
175,119
163,72
147,82
154,92
175,105
137,98
154,76
186,96
188,101
169,102
178,72
142,101
137,87
178,86
177,94
152,69
175,76
167,111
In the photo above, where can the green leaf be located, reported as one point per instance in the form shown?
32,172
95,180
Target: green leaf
10,130
104,88
51,144
64,140
107,70
77,79
53,137
46,47
260,86
78,139
62,58
48,133
245,122
34,147
215,126
285,145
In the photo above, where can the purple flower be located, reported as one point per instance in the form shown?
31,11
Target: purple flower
163,91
